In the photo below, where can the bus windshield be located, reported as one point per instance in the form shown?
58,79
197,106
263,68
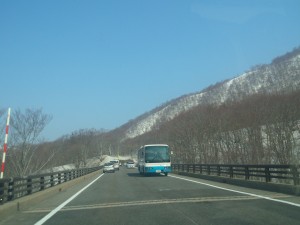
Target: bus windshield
155,154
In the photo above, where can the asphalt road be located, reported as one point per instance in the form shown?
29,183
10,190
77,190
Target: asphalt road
125,197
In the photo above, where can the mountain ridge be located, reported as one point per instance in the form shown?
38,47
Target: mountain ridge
282,74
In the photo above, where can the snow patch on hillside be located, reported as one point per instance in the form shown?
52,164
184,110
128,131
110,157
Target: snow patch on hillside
266,78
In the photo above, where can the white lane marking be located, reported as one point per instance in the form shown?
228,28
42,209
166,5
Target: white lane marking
240,192
54,211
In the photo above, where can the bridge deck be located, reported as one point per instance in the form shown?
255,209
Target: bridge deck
125,197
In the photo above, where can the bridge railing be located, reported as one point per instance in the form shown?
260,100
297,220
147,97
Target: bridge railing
12,188
287,174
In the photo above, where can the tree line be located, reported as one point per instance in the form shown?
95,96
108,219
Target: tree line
260,129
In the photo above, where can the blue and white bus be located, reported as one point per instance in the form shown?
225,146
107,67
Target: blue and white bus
154,159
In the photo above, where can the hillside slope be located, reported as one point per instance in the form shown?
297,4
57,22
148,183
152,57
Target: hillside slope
283,74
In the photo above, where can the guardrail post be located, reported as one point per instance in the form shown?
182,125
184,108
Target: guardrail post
52,180
267,174
29,185
200,169
208,169
65,177
218,170
247,174
10,190
4,191
295,175
59,178
194,168
42,183
231,171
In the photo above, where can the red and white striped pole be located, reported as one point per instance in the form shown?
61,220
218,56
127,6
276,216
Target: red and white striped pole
5,144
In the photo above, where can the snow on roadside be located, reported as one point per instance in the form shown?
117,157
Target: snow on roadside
93,162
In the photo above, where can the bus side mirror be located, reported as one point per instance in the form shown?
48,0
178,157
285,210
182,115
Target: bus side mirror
171,152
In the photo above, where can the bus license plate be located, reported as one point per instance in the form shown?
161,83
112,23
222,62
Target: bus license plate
158,171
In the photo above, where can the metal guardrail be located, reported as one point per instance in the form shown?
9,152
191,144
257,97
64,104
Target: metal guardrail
287,174
13,188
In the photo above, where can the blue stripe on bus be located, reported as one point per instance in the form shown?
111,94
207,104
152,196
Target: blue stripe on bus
156,169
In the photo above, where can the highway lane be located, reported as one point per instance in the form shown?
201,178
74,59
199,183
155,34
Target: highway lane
125,197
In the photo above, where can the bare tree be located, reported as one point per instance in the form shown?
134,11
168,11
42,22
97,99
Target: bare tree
82,143
2,122
26,128
100,146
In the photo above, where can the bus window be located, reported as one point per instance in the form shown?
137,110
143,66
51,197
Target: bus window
157,154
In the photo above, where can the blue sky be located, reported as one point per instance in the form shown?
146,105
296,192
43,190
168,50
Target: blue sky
98,64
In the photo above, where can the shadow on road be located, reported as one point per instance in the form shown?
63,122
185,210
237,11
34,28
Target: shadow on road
137,174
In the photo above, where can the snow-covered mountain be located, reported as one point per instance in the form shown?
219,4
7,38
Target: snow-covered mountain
283,74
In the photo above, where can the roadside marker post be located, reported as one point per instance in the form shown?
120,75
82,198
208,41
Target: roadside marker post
5,144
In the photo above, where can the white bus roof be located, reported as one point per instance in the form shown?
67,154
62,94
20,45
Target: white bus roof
155,145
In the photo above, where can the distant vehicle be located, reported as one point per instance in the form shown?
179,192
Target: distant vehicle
108,167
130,165
116,164
153,159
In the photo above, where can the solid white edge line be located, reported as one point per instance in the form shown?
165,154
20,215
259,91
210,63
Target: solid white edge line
54,211
240,192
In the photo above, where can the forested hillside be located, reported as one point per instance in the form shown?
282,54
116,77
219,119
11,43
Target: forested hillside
250,119
282,75
260,129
